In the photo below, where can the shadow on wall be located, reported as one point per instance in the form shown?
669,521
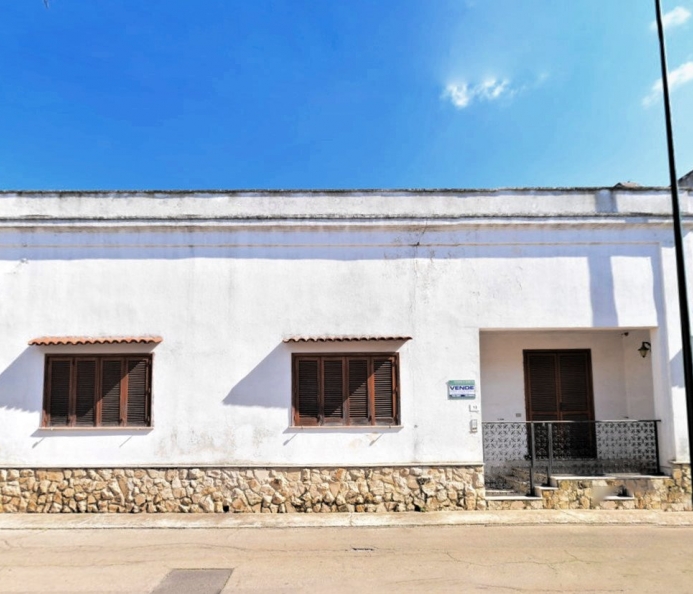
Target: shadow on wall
602,289
21,388
123,432
268,384
21,382
601,279
676,367
186,247
316,245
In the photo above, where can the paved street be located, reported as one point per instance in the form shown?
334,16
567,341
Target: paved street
506,556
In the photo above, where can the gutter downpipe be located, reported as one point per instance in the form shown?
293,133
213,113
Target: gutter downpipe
678,239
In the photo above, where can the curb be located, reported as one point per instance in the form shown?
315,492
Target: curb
23,521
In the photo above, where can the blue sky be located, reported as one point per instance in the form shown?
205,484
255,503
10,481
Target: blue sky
167,94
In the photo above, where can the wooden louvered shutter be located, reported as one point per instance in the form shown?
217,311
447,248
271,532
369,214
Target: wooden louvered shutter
97,391
85,392
306,394
558,385
333,391
574,377
111,377
384,391
58,392
358,391
138,392
542,386
343,389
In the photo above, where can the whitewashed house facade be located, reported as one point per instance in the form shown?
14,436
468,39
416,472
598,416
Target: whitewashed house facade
280,351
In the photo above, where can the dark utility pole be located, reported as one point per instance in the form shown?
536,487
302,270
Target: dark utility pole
678,239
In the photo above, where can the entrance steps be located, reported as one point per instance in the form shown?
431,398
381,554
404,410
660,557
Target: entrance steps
511,491
627,491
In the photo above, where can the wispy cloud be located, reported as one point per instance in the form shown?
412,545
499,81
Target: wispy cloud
458,94
462,95
677,78
675,17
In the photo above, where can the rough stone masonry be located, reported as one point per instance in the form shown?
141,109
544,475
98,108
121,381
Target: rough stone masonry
250,490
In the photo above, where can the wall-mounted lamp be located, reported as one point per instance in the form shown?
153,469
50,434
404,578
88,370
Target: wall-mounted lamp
645,348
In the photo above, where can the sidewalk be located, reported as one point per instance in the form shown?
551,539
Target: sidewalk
21,521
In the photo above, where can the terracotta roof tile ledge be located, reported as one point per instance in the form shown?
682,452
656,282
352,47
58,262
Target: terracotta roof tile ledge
78,340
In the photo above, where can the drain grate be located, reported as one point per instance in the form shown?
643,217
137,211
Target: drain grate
197,581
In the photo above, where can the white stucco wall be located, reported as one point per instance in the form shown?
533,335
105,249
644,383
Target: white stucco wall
222,379
224,279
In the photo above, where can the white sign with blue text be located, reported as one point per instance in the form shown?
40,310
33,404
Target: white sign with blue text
461,389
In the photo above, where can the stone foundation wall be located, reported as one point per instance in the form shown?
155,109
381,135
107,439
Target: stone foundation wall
250,490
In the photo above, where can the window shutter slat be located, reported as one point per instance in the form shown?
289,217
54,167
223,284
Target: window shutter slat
333,390
85,379
59,377
111,374
308,389
384,390
137,392
358,391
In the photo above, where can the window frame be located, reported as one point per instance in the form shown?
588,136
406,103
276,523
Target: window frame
123,388
346,420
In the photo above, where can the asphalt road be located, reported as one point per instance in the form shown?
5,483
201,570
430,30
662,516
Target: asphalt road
467,558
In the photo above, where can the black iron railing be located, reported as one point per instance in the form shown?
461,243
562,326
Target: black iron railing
571,447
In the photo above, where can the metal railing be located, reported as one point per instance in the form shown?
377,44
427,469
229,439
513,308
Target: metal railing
571,447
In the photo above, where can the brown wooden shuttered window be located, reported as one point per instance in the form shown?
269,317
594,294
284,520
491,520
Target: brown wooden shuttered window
97,391
343,389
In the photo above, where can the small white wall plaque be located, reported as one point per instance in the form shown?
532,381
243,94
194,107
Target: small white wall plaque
461,389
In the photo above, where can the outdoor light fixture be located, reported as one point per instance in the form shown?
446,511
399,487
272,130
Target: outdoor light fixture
645,348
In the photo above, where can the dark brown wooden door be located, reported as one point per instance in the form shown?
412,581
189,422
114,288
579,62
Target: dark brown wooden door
558,385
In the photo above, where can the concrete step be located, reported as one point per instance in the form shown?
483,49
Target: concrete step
512,497
500,492
514,501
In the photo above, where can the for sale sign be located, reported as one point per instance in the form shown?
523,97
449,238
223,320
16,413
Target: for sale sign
461,389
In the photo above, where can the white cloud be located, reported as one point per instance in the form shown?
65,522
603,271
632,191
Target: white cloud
675,17
492,89
681,75
677,78
461,95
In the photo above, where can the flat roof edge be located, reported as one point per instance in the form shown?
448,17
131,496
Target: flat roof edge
337,191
